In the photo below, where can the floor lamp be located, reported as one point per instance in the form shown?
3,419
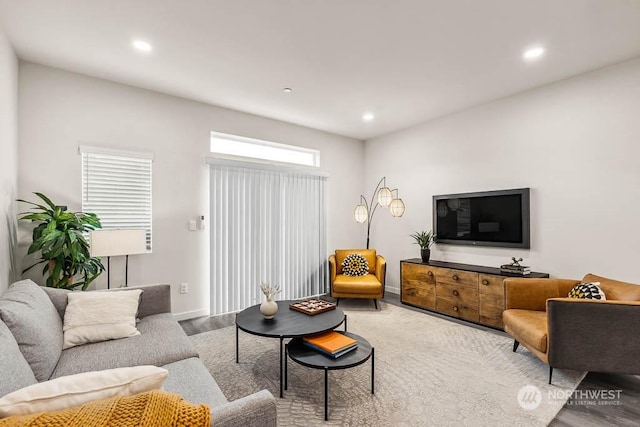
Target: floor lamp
108,243
382,196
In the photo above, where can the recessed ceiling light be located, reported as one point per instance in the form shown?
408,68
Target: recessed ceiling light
287,90
142,46
533,53
368,117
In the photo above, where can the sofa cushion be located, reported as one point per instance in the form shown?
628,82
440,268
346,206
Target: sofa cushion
368,254
59,299
614,289
161,341
100,316
15,372
355,265
367,284
587,291
190,379
35,324
76,390
528,326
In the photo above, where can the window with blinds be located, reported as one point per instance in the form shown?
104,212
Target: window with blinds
117,187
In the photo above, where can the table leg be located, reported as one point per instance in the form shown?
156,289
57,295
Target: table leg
281,385
345,323
237,352
373,364
286,367
326,394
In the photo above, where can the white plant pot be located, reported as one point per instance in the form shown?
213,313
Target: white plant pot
269,308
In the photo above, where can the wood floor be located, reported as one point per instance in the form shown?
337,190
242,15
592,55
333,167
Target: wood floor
575,413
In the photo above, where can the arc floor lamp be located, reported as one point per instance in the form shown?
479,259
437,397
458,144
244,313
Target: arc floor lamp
383,196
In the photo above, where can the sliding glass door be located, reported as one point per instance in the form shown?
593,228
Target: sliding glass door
268,224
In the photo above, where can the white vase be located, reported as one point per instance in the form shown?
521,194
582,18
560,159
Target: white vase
269,308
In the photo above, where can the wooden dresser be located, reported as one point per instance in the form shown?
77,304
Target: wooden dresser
469,292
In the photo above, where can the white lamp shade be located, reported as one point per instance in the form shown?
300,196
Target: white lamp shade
361,214
396,207
384,196
118,242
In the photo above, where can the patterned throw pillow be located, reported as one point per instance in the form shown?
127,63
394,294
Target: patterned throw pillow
587,291
355,265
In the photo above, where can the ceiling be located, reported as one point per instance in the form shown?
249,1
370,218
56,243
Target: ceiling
406,61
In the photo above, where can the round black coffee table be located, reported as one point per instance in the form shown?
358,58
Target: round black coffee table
287,323
305,356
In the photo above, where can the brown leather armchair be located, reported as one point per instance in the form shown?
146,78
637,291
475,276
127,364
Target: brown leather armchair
569,333
369,286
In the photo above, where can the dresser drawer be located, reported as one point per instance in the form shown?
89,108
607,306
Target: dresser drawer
419,294
419,273
458,277
491,285
458,292
455,308
491,315
490,299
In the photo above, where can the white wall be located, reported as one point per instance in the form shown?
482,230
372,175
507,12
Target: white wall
575,143
8,161
60,110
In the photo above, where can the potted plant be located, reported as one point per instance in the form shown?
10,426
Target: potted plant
424,239
60,237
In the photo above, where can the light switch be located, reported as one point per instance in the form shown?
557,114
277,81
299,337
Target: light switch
192,225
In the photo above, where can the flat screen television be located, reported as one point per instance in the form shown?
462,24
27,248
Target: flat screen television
489,218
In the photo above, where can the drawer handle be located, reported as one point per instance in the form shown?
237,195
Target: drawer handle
430,273
455,308
485,282
456,293
455,277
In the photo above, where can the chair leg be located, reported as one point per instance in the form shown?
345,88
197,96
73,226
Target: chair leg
550,373
337,302
375,302
515,345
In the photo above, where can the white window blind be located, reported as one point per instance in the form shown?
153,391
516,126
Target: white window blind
117,188
266,225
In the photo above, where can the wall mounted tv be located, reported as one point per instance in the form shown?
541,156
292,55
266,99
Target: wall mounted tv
489,218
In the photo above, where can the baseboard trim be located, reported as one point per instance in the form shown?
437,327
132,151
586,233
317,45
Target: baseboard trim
392,290
190,314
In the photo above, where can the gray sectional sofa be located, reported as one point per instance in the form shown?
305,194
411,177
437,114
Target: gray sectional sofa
31,343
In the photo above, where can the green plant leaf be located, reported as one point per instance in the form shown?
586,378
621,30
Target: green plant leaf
46,200
58,236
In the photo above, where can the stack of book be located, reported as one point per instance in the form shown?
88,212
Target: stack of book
332,344
522,270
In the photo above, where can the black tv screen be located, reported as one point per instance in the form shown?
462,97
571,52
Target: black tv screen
490,218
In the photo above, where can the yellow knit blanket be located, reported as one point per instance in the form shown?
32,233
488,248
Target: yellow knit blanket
149,409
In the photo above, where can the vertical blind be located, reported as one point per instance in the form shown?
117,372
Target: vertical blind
117,188
266,225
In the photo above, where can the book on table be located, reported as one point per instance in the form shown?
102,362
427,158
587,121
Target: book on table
514,269
333,344
332,355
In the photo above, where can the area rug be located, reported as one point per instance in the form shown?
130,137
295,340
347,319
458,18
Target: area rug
429,372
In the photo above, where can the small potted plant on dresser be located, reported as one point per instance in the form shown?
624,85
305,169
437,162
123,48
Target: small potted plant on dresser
424,239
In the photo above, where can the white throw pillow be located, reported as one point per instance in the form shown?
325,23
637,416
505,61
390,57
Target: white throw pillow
76,390
100,316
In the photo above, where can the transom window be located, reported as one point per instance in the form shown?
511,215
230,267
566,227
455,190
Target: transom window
240,146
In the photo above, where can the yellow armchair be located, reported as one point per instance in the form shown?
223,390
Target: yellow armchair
370,286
